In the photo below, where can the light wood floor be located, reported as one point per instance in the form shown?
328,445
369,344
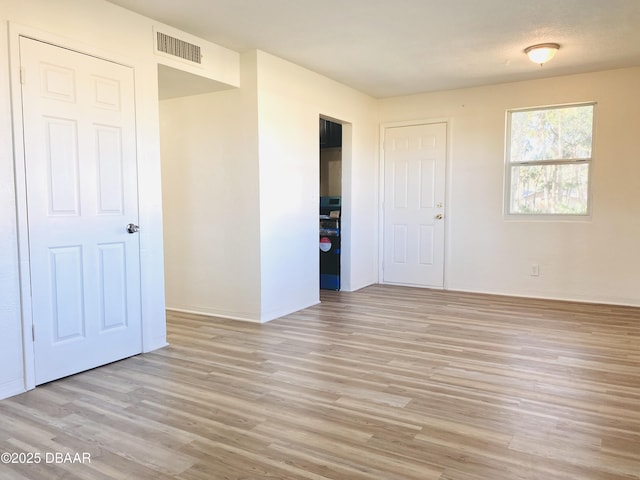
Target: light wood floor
385,383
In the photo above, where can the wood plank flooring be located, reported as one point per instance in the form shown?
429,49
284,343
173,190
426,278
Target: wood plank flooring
385,383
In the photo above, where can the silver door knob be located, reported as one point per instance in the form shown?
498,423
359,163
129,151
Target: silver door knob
132,228
439,216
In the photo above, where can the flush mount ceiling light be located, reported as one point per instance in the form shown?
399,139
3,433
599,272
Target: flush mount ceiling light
541,53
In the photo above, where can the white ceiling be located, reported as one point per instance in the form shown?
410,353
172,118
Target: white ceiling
397,47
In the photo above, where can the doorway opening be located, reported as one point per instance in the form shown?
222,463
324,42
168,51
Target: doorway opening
330,204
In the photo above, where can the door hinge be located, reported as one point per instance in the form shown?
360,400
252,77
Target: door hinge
23,76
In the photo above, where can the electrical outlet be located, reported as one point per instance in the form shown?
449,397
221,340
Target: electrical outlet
535,270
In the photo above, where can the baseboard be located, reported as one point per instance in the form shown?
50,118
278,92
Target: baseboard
10,389
273,315
206,313
154,346
360,287
622,302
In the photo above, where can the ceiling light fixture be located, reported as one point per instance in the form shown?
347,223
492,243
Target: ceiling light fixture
541,53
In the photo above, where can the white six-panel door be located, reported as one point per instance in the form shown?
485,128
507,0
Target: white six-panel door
81,175
413,212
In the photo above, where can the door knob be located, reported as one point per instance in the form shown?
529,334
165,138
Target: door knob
132,228
439,216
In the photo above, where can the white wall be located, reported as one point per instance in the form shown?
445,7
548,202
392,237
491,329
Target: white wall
596,260
290,101
101,28
11,366
209,146
254,152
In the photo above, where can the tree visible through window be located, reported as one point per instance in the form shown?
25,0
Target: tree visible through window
549,153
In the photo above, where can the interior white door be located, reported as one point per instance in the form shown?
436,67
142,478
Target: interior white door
81,179
413,212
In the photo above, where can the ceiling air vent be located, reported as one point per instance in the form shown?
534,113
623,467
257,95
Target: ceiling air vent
178,48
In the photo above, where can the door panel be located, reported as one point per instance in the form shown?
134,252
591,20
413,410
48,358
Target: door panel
400,246
414,181
427,189
113,286
62,165
81,175
400,185
427,245
67,293
110,171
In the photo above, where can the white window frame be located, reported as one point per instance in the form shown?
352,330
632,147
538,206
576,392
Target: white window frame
509,166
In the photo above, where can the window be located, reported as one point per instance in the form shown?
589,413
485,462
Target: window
549,154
